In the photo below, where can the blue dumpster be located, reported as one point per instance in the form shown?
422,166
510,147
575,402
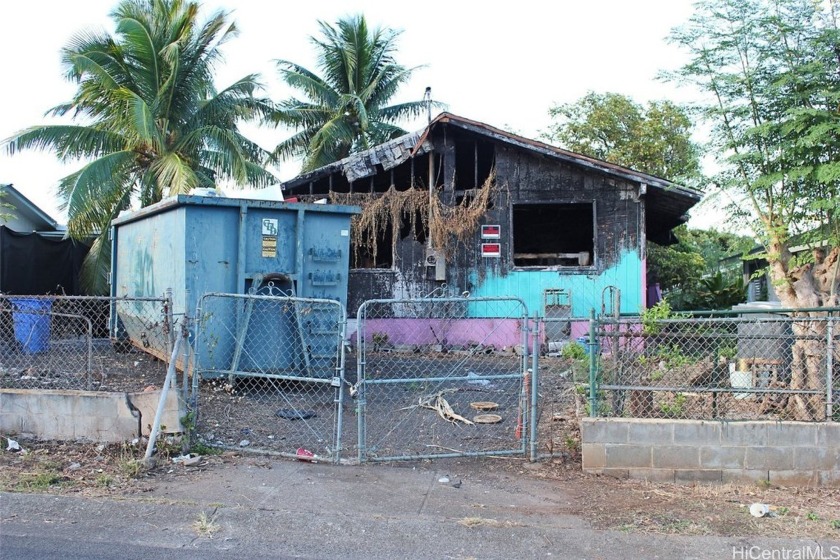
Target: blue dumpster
201,244
31,318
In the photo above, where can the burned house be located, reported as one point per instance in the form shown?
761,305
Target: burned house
491,213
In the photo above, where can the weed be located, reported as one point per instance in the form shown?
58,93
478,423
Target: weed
201,448
763,483
104,480
782,511
206,526
37,481
130,468
675,409
380,340
572,444
574,351
835,524
652,316
811,516
471,522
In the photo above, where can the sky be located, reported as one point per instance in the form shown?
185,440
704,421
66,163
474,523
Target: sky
504,64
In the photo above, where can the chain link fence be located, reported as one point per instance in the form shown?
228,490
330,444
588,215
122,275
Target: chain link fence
443,377
562,388
779,367
84,343
271,371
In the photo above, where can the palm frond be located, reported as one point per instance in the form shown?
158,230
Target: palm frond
68,141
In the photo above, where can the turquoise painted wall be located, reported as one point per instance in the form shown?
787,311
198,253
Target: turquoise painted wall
586,289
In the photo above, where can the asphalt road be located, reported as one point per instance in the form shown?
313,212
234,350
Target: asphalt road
287,509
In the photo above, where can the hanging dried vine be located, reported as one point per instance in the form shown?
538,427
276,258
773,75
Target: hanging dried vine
381,212
462,220
388,211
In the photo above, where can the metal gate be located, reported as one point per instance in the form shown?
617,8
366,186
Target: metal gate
272,372
442,377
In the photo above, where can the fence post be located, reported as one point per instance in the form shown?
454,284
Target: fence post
170,322
829,371
593,366
339,380
360,381
535,382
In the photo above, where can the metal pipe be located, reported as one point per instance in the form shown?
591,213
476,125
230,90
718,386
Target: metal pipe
170,374
439,379
593,365
360,382
339,379
170,322
448,455
535,382
711,390
829,372
188,350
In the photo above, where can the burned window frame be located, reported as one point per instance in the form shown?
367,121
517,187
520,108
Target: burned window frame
593,251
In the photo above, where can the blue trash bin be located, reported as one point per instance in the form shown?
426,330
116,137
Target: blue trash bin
584,341
31,318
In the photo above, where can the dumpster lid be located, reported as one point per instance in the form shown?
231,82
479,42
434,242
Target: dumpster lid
180,200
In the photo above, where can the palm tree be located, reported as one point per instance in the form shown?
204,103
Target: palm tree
147,119
346,110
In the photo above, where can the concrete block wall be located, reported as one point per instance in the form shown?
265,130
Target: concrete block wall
689,451
83,415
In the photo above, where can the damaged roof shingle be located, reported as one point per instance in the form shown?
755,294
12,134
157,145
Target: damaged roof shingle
389,155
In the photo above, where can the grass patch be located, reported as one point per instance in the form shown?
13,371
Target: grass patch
130,468
104,480
37,481
201,448
205,525
473,522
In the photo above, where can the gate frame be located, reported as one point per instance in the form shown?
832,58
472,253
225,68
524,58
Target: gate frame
337,381
527,396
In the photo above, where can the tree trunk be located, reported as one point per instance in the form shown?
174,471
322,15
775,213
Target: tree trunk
808,286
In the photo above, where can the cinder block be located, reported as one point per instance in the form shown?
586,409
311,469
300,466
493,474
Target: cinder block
818,458
692,476
792,434
653,475
696,433
673,457
828,434
616,473
744,433
628,456
594,455
716,457
651,431
744,476
829,479
794,478
603,430
770,458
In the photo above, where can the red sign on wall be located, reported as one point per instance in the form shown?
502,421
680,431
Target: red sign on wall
491,249
491,232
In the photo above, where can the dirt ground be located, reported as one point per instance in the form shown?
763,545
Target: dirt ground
93,470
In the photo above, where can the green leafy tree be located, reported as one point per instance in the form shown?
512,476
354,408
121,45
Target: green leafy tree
345,109
655,139
148,119
6,209
770,68
684,269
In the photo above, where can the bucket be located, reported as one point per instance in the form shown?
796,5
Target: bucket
31,318
740,379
